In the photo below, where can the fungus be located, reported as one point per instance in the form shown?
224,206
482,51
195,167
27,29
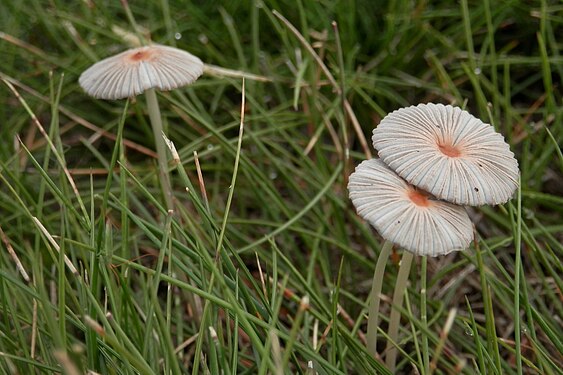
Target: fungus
406,215
444,154
139,70
448,152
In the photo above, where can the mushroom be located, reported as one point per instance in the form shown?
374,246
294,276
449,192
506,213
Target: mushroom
134,71
448,152
406,215
410,217
139,70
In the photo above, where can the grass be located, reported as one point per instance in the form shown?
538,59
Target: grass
264,267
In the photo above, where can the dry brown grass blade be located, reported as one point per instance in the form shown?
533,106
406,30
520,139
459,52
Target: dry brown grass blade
200,180
37,123
79,120
326,71
215,70
14,256
55,245
20,43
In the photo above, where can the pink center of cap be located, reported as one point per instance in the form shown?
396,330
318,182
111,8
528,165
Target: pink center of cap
419,198
140,55
449,150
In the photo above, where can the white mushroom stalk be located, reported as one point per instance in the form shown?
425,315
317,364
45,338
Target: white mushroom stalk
139,70
449,153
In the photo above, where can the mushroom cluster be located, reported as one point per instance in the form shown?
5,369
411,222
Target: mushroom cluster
432,158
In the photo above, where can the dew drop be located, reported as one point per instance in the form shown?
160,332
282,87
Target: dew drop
273,175
210,146
469,332
177,36
477,71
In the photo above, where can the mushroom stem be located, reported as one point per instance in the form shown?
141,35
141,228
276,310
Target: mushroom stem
394,319
374,300
156,122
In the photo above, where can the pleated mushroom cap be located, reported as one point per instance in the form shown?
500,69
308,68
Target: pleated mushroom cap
132,72
405,215
449,153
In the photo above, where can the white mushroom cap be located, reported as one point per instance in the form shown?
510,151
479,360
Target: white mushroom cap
132,72
405,215
449,153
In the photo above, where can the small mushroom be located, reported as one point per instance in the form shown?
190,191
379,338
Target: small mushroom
134,71
139,70
406,215
448,152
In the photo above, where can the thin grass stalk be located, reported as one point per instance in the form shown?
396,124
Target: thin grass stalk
443,338
493,61
273,344
477,339
131,19
394,320
492,342
156,281
171,361
124,249
517,271
414,335
223,229
61,290
335,337
134,357
345,141
235,332
295,330
375,299
99,235
424,316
